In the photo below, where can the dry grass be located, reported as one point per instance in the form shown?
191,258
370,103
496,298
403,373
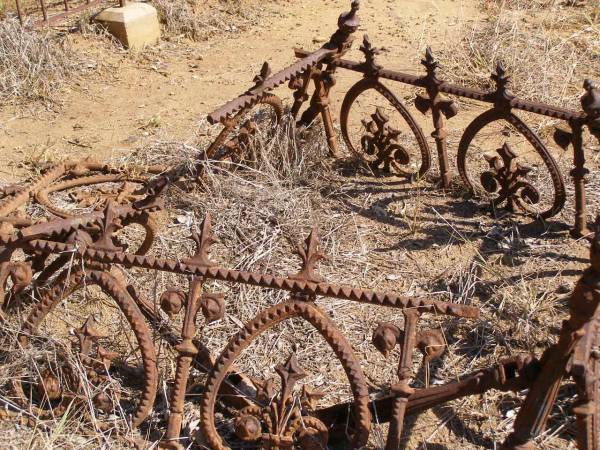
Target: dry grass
384,234
369,232
33,65
548,47
201,20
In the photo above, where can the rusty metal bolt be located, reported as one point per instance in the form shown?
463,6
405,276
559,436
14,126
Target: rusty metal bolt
21,276
431,343
311,439
385,338
247,427
49,386
172,301
213,307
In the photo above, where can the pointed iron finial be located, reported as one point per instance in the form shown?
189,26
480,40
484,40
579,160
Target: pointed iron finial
349,22
265,72
502,80
204,240
590,101
291,372
430,62
371,67
88,334
110,224
310,255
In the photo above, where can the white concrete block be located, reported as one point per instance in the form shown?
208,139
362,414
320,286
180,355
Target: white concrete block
134,25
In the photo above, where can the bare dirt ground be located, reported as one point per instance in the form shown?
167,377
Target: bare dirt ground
382,233
180,82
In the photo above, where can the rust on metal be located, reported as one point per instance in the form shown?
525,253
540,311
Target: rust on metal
56,14
504,106
282,411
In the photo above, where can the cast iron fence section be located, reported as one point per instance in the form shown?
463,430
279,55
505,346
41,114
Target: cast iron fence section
506,178
44,263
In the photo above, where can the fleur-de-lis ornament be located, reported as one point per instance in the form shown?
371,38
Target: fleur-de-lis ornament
110,224
381,141
282,420
507,178
371,67
310,255
502,80
204,240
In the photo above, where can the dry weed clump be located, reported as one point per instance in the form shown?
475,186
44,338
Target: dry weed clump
200,20
548,48
33,65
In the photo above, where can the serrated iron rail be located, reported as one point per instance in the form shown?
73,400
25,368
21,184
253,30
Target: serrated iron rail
258,279
460,91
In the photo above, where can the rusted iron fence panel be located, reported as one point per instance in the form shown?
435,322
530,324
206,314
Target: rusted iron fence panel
54,12
71,252
507,177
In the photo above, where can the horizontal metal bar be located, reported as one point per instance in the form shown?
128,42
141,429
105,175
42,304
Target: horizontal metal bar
461,91
263,280
55,18
253,96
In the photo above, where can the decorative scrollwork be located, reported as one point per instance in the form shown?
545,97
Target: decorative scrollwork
380,139
525,202
279,421
507,179
282,421
59,383
204,240
124,194
110,224
371,67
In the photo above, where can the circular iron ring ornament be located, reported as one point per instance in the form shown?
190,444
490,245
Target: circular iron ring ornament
367,84
493,115
65,286
43,195
266,320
